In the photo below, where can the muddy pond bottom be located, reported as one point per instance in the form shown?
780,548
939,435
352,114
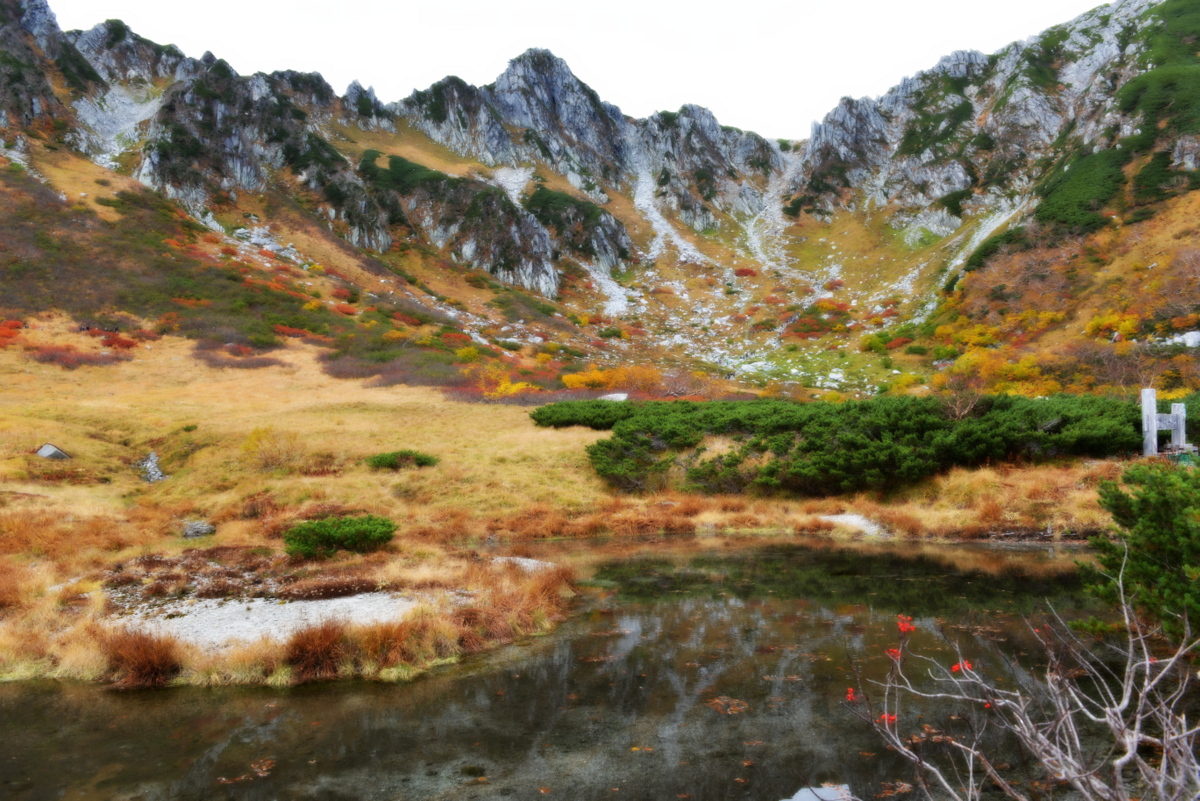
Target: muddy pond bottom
707,677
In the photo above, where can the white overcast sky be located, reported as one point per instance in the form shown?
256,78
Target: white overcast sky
763,65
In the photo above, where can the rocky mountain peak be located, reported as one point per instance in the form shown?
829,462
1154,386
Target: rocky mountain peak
41,22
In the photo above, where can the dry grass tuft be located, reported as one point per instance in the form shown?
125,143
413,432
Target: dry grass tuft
317,652
140,659
13,579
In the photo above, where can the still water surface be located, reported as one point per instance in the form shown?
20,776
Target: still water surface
712,677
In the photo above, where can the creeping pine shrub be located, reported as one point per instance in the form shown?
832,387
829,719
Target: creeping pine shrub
398,459
320,539
1156,549
826,448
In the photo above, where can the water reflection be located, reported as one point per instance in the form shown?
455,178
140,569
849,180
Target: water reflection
726,684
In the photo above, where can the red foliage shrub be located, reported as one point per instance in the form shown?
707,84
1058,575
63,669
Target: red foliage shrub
745,272
175,243
342,294
342,308
738,318
287,331
835,284
898,342
70,357
191,303
119,342
142,335
266,254
228,251
12,325
405,319
456,339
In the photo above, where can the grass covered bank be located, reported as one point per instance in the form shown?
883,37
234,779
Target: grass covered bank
255,453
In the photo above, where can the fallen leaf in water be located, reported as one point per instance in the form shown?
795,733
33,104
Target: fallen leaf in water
753,742
747,763
543,790
740,780
894,788
866,753
262,767
727,706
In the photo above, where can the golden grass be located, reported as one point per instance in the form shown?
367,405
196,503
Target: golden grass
239,448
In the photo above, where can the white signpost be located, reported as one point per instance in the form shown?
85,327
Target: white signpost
1153,422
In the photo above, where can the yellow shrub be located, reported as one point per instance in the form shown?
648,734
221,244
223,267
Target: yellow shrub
592,378
467,354
394,336
312,305
544,358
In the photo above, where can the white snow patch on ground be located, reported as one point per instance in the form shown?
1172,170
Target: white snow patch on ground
216,623
1007,210
618,301
664,234
114,122
764,231
863,524
513,181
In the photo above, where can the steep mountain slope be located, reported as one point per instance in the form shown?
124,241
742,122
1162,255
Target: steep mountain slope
681,241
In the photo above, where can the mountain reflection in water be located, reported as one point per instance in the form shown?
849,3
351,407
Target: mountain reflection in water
715,678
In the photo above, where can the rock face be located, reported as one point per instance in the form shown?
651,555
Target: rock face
26,95
976,125
539,111
966,141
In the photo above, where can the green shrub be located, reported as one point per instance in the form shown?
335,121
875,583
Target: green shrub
823,448
609,333
399,459
1014,237
916,350
1073,197
319,539
1158,547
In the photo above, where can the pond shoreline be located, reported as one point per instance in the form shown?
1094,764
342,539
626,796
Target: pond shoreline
264,661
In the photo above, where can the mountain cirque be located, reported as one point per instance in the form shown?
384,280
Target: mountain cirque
702,245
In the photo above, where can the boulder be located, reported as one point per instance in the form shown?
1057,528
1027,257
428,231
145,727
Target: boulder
616,396
194,529
49,451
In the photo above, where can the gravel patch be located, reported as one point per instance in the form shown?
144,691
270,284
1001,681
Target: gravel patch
220,623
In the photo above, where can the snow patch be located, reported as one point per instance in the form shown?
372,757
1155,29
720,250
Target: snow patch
764,231
513,181
618,299
664,234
